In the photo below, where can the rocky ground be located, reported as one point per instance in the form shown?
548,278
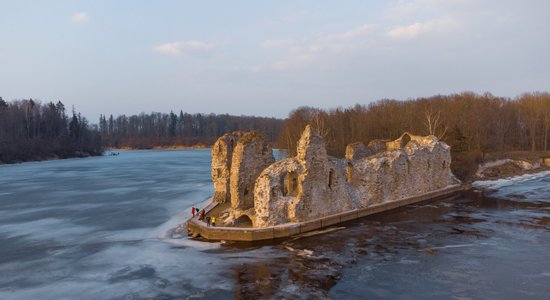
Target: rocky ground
506,168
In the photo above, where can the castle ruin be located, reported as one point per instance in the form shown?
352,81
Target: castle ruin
262,192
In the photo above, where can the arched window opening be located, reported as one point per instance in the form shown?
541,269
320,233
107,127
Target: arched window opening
290,184
405,140
243,221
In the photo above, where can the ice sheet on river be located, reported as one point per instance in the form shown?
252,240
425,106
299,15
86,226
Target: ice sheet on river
65,239
528,187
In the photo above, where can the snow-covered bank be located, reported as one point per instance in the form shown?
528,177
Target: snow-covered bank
499,183
509,168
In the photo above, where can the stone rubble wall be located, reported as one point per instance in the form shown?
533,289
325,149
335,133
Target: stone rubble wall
313,184
250,157
222,153
270,202
401,173
358,150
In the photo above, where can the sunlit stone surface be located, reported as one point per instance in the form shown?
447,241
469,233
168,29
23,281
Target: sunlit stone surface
313,184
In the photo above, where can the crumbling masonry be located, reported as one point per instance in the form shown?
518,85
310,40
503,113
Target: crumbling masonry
313,184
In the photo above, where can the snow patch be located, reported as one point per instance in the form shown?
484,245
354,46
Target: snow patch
500,183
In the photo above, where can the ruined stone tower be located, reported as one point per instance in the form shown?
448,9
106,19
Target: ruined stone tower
222,153
250,157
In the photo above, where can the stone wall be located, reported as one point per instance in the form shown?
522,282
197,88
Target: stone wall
222,153
422,165
313,184
301,188
250,157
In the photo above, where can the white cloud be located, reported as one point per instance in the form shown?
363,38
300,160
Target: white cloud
277,43
80,18
180,47
415,29
304,51
406,31
348,35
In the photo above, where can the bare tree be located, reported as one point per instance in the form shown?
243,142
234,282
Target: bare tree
434,124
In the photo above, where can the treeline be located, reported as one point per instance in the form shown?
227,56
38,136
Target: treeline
472,124
145,131
30,130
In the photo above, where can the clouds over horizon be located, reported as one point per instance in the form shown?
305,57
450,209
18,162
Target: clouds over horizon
285,54
419,23
302,51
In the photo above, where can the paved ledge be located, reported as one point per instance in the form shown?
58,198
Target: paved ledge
196,227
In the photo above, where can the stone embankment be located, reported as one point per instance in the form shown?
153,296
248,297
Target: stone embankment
252,189
198,228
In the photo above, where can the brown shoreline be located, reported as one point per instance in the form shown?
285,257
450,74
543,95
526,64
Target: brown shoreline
511,169
174,147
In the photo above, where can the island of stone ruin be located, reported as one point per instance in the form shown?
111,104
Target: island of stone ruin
252,190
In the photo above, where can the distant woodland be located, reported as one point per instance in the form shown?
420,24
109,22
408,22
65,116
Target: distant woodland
146,131
30,130
474,125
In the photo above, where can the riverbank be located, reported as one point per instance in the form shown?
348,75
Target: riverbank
78,154
470,166
171,147
508,168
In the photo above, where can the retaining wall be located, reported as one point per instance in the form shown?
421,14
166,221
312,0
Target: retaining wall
196,227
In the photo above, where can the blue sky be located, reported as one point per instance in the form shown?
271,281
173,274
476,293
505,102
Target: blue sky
267,57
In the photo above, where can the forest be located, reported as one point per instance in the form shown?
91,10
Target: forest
30,130
146,131
475,126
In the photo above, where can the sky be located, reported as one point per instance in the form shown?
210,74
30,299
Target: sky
266,58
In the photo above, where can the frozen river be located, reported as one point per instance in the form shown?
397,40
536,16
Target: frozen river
103,228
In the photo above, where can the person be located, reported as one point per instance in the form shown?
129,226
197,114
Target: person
193,211
208,221
213,220
201,217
